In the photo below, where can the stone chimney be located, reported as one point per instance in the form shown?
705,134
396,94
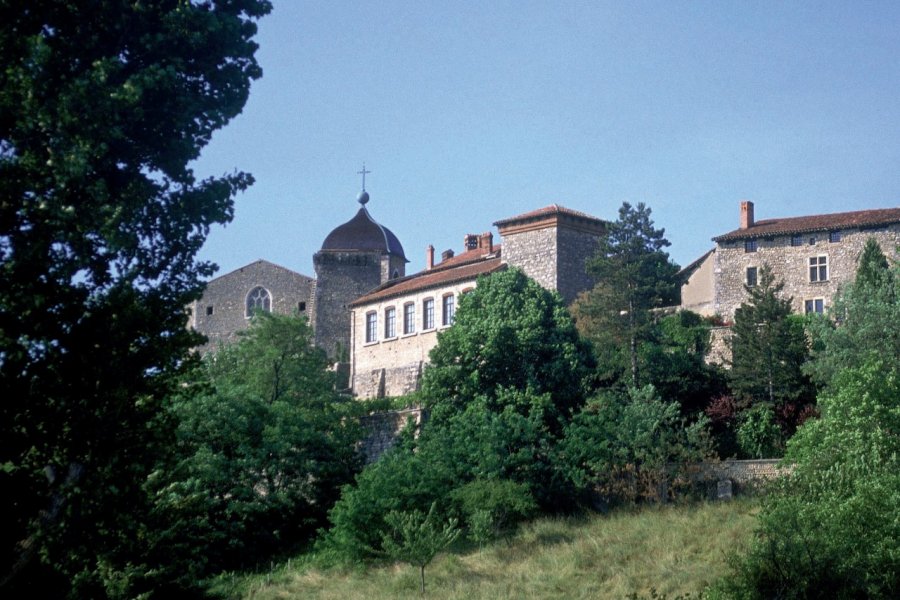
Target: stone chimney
470,242
486,241
746,214
429,257
446,254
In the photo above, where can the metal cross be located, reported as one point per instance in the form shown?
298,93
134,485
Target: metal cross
363,173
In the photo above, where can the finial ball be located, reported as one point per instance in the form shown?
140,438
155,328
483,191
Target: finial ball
363,197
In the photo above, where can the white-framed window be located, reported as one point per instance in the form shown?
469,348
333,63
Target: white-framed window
409,318
749,245
448,304
818,268
752,277
814,305
371,326
428,313
390,322
258,299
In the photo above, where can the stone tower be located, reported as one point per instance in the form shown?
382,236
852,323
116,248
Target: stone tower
551,245
355,258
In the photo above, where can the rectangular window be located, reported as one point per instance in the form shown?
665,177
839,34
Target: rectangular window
302,306
751,276
749,245
796,240
834,236
812,241
209,311
390,322
818,268
409,318
447,316
428,313
371,327
816,305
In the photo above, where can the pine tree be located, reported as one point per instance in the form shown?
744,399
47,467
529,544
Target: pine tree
634,276
768,347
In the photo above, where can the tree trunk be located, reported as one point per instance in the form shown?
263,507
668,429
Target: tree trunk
422,571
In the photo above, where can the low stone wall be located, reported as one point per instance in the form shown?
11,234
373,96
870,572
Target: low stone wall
725,478
383,428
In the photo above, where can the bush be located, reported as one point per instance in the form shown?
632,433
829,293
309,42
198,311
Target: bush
488,507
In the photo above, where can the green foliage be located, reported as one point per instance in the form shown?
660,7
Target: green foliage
862,321
634,276
673,361
758,435
509,333
416,538
833,529
490,506
103,105
631,447
769,348
263,450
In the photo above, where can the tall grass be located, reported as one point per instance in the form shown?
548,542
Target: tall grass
675,550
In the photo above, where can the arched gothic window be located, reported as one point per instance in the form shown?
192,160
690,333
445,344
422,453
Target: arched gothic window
258,299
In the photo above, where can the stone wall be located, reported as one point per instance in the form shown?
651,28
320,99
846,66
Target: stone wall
697,293
574,248
383,428
341,278
222,311
791,264
534,252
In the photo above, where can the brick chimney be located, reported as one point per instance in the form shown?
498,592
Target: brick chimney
486,241
429,257
746,214
446,254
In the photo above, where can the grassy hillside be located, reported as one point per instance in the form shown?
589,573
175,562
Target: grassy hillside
675,550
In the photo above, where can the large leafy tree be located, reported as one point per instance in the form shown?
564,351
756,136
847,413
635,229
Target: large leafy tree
103,105
509,333
634,276
264,449
768,347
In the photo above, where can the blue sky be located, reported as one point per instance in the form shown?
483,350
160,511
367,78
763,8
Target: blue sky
469,112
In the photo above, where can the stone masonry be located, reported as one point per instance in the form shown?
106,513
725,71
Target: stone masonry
222,311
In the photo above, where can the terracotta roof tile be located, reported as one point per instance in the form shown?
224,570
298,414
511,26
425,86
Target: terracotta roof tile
553,209
466,266
791,225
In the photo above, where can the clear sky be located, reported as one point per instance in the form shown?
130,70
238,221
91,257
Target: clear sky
469,112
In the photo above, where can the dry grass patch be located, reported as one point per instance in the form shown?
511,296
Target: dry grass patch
674,549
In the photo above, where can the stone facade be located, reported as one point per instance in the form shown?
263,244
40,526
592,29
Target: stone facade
551,246
829,245
383,428
223,309
341,277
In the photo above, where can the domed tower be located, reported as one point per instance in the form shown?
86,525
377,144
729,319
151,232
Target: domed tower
355,258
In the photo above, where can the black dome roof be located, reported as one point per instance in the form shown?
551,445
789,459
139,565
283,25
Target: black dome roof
363,233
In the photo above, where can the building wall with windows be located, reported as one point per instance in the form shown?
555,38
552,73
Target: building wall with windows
813,256
229,300
394,327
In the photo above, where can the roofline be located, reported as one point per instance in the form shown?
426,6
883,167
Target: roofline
258,260
757,229
501,266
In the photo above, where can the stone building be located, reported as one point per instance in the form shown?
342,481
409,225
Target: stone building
813,255
230,300
395,326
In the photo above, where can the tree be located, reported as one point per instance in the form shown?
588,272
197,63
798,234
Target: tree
832,528
631,446
102,107
509,334
768,348
416,539
861,323
264,449
634,276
